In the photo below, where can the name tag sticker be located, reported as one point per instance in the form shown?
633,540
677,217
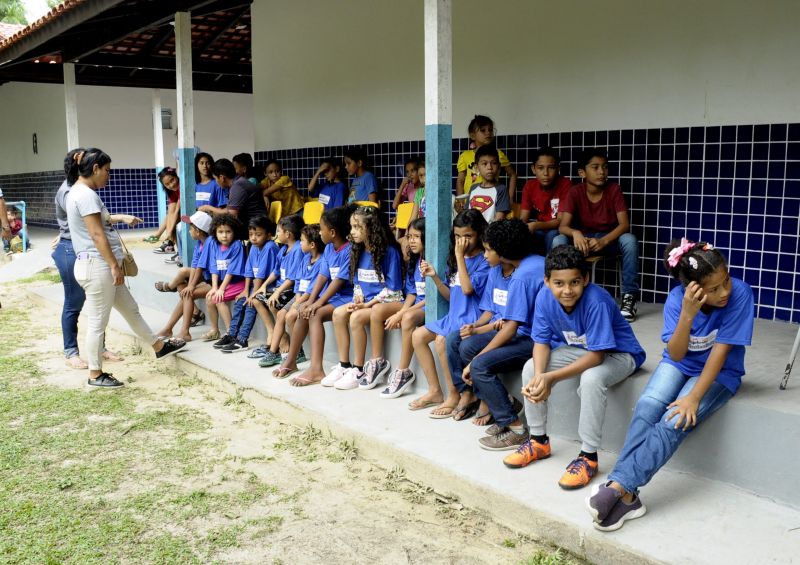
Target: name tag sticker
574,339
335,272
324,199
368,276
420,288
500,297
222,264
304,285
702,342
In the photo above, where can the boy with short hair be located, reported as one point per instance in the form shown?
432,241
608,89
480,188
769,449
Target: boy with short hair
541,197
489,196
577,332
595,217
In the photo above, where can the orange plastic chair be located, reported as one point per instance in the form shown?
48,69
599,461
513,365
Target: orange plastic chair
312,212
367,203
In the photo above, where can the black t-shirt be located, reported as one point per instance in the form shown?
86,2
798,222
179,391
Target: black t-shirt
247,200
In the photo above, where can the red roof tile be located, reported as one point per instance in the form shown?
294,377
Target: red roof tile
51,15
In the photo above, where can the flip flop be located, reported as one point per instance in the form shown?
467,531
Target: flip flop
211,336
302,381
163,286
483,415
197,319
442,416
467,411
151,239
283,372
112,357
414,405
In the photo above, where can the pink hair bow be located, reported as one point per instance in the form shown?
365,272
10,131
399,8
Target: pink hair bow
676,254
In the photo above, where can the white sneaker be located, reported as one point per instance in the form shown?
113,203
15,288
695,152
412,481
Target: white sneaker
336,373
349,380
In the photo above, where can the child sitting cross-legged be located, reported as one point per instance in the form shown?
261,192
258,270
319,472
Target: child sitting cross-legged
261,260
578,331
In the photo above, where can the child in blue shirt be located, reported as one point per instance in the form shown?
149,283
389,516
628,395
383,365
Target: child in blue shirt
410,316
375,269
364,185
578,331
467,272
331,289
499,341
224,258
330,190
261,260
708,321
287,271
209,196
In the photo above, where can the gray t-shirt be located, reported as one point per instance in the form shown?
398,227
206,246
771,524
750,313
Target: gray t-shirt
61,210
83,201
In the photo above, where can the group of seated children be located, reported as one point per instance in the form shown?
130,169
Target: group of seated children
14,243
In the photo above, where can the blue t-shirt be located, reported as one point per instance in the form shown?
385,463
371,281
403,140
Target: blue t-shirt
464,309
223,260
526,282
732,324
495,297
210,193
595,324
415,283
331,194
199,260
336,265
367,278
261,261
309,276
363,186
290,265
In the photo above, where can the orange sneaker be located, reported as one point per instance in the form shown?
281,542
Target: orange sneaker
527,453
578,474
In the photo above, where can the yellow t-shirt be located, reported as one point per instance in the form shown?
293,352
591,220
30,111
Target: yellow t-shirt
287,195
466,162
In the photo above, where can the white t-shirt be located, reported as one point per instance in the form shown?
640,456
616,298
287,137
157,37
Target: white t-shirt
83,201
489,200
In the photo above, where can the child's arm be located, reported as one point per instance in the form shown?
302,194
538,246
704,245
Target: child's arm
427,270
537,225
480,326
316,304
209,209
273,298
194,278
214,285
539,387
415,212
219,294
265,285
373,197
506,334
245,291
313,189
686,407
463,274
577,237
512,182
257,283
462,177
693,300
624,225
393,321
399,195
279,184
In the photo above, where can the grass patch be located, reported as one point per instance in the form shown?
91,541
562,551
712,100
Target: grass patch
49,275
549,557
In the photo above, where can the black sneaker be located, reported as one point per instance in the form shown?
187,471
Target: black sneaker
105,380
234,347
628,307
171,346
166,248
223,341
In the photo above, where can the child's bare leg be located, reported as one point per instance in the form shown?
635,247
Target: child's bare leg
277,336
316,372
269,322
265,319
176,314
452,392
411,321
421,337
189,308
377,331
225,314
213,316
180,278
341,326
358,322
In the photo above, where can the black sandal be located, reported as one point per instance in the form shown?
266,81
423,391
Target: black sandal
105,380
467,411
197,319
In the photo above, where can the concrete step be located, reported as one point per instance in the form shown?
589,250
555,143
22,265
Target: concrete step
691,519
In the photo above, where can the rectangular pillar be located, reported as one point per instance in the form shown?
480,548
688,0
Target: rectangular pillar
71,106
438,146
158,144
186,150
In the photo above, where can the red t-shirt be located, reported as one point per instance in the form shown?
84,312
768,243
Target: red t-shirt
173,196
544,202
594,217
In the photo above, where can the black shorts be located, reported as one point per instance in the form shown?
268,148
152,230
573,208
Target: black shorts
283,300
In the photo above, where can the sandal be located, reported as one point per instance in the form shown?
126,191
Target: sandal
283,372
151,239
76,362
481,417
302,381
212,335
163,286
467,411
197,319
112,357
417,405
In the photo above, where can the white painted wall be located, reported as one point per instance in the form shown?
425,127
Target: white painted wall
118,120
354,73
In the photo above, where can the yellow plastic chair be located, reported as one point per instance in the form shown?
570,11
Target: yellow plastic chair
312,212
514,211
403,217
367,203
275,211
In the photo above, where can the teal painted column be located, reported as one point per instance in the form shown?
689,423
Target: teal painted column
438,146
186,150
161,198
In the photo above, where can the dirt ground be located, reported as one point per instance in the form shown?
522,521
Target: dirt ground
185,473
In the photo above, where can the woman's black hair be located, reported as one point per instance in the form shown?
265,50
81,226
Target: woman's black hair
225,220
471,218
338,219
413,258
197,158
478,122
565,257
357,154
163,173
83,163
311,231
264,223
511,239
293,224
247,160
694,264
379,237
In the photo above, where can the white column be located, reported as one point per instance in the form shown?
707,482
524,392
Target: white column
71,106
158,145
183,68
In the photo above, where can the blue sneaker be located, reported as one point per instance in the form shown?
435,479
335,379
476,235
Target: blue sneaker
301,357
270,359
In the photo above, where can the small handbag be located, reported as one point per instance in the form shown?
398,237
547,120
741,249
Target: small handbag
129,266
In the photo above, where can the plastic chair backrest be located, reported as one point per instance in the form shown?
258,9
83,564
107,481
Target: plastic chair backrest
312,212
275,211
404,215
514,211
367,203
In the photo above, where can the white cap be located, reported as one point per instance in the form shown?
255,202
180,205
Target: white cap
200,220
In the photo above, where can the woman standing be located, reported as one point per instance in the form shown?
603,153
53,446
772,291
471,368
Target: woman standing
98,263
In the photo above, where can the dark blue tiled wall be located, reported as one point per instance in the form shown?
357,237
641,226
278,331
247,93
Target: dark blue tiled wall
736,186
129,191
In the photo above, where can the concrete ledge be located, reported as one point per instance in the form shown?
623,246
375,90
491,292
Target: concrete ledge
691,519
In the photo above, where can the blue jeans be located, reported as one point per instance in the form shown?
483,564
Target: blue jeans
242,320
543,240
628,246
452,344
74,296
652,438
485,368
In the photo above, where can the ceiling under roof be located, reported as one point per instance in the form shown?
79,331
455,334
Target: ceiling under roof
132,43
